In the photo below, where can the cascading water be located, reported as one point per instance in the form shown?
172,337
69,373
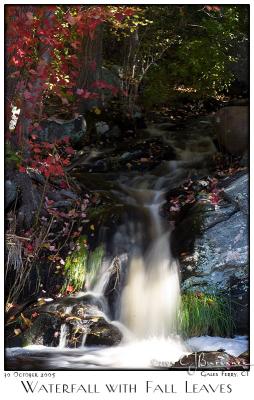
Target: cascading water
150,300
64,331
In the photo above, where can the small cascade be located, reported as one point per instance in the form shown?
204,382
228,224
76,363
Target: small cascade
151,297
64,330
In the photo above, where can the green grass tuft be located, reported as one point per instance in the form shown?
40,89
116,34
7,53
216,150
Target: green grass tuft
203,314
81,266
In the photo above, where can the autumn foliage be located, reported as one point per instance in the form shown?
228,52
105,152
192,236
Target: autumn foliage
45,47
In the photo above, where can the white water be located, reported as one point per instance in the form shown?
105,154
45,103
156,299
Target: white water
64,331
150,353
151,298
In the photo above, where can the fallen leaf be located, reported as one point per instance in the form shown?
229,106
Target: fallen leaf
26,321
40,302
72,319
69,289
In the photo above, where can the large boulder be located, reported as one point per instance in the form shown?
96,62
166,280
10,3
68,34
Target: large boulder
232,128
53,129
213,250
72,321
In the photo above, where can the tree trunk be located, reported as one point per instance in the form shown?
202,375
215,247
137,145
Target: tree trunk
91,68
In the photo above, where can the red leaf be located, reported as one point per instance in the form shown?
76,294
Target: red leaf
71,20
69,289
36,150
29,15
27,95
63,185
29,248
22,169
47,145
15,74
49,202
80,91
69,150
119,17
215,198
128,11
66,139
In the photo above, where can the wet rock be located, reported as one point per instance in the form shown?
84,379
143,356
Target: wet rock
101,127
238,193
69,194
222,253
10,193
61,204
39,178
114,132
102,333
54,195
44,331
128,156
30,201
112,290
212,243
85,320
167,126
100,166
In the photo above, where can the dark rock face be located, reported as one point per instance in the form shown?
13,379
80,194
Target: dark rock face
237,193
42,332
216,243
232,128
29,198
54,129
10,193
102,333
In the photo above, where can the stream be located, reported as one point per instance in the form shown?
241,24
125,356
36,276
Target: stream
146,307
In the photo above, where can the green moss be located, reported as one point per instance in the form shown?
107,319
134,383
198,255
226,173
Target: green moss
203,314
94,264
75,266
82,266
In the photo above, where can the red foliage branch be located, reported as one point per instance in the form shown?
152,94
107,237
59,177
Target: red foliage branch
43,53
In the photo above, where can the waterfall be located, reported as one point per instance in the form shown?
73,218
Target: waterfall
151,298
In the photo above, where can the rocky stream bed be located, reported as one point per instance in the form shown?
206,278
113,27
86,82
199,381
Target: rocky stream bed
168,183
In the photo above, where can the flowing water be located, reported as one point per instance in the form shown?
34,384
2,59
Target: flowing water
151,297
146,309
